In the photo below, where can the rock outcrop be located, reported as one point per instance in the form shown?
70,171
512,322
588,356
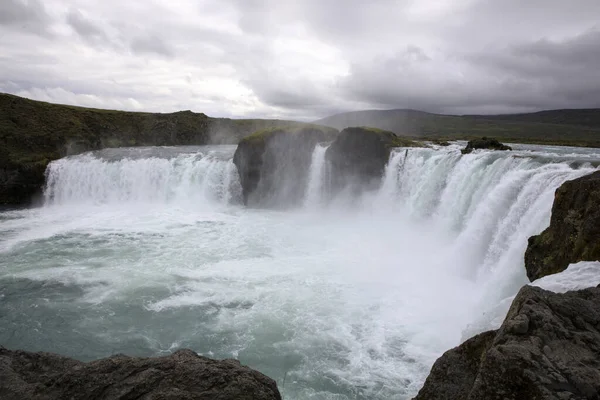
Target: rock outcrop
574,231
358,156
484,143
182,375
33,133
548,348
273,164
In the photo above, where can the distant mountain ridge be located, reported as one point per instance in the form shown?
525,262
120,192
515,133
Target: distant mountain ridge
580,127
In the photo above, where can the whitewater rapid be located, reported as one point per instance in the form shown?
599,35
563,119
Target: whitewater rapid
142,251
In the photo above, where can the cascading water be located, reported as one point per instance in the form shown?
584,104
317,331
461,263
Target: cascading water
143,251
150,175
314,190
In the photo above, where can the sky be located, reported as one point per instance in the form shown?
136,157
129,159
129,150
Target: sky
303,59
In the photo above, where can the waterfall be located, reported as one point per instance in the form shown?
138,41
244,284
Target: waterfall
314,190
489,203
117,176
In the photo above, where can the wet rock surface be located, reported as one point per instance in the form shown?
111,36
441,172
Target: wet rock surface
484,143
548,348
182,375
574,231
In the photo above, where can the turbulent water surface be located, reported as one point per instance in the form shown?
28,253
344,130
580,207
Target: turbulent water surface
143,251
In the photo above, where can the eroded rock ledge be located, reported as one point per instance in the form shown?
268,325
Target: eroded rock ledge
274,164
574,231
548,348
182,375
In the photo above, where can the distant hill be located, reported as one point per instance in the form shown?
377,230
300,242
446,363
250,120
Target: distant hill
33,133
589,117
568,127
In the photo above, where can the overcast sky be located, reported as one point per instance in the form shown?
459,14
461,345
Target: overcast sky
303,59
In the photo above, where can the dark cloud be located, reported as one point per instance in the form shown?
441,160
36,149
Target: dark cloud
151,44
26,15
304,59
85,27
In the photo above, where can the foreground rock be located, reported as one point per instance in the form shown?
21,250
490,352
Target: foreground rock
182,375
274,164
484,143
548,348
359,155
574,231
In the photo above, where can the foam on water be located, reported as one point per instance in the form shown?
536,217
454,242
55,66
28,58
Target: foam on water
145,251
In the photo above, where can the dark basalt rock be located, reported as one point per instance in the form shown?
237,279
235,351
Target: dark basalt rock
273,164
548,348
359,155
182,375
574,231
484,143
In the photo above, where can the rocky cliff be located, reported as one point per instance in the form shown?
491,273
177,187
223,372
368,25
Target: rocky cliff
548,348
33,133
182,375
574,231
358,157
274,164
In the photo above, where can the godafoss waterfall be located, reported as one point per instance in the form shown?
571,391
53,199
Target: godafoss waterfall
344,294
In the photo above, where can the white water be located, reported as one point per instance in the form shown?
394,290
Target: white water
147,175
143,251
315,188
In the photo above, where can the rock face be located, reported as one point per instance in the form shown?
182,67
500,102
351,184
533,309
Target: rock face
273,164
574,231
548,348
358,157
484,143
182,375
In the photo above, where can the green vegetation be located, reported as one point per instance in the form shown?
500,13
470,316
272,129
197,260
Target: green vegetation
292,129
395,140
559,127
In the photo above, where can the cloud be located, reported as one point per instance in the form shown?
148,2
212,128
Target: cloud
85,27
151,44
303,60
24,15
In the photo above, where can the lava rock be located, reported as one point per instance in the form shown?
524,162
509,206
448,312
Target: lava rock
358,156
574,231
274,164
484,143
182,375
548,348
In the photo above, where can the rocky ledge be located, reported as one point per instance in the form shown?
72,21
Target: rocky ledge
273,164
574,231
548,348
359,155
484,143
182,375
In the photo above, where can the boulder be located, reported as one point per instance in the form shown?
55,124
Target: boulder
274,164
574,231
484,143
548,348
181,375
358,156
